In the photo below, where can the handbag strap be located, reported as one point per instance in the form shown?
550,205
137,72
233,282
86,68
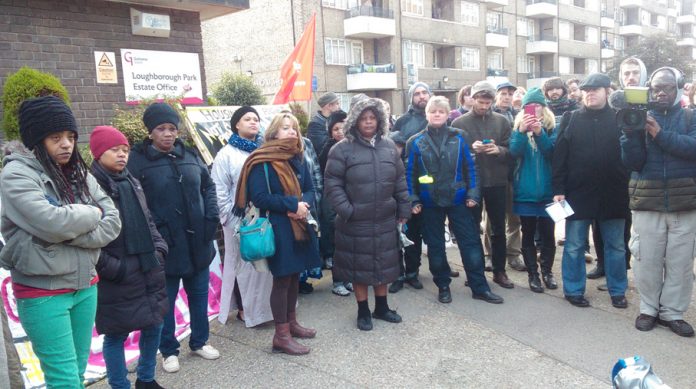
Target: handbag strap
265,171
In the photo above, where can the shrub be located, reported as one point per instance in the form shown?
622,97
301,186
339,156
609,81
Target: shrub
237,89
24,84
301,116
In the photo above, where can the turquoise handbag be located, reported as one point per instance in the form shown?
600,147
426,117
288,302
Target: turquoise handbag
256,238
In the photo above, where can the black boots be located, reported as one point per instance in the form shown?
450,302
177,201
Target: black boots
529,255
547,257
597,272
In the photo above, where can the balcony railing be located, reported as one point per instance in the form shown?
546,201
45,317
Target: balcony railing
496,72
497,30
542,74
367,68
366,10
544,37
554,2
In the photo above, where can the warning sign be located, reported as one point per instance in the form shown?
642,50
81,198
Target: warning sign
106,67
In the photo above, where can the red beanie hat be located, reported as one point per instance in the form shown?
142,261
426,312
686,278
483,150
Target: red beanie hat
104,138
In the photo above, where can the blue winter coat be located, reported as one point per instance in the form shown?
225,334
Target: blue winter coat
182,200
532,177
664,167
290,256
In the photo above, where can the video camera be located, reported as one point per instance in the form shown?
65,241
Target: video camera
632,104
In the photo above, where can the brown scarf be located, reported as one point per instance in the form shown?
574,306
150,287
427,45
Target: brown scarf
278,152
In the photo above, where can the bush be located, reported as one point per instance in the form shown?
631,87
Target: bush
26,83
301,116
130,121
237,89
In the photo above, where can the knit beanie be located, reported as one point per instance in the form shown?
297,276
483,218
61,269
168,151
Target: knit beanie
41,116
104,138
334,118
158,113
327,98
239,113
413,88
534,95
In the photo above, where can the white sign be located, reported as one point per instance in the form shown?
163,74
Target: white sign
158,74
105,62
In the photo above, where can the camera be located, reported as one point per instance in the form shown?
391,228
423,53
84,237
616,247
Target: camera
633,114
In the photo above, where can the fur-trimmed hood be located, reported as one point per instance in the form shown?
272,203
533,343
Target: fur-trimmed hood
351,126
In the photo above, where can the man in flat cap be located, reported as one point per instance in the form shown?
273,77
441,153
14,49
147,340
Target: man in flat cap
588,174
316,129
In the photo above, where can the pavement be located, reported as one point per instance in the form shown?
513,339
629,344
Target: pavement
531,341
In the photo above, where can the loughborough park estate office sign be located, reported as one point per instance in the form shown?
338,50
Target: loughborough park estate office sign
152,74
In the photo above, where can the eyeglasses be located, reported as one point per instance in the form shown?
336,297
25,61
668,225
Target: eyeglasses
667,89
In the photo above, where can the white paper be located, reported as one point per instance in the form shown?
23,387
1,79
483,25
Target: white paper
559,210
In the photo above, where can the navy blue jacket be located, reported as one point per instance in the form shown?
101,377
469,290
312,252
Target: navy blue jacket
663,177
182,200
290,256
449,164
317,132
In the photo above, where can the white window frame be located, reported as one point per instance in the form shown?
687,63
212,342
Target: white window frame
339,51
563,65
413,53
591,66
494,59
472,14
471,58
523,64
619,42
412,7
344,100
494,20
340,4
523,26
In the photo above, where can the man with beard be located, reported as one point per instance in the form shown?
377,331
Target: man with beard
556,94
662,159
574,91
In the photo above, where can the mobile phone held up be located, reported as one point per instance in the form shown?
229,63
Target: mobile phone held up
486,141
530,110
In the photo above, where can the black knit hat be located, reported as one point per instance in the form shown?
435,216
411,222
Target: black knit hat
158,113
335,117
237,116
41,116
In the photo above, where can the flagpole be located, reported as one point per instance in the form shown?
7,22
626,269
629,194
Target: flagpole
292,20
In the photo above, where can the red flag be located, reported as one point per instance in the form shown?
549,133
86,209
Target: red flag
296,72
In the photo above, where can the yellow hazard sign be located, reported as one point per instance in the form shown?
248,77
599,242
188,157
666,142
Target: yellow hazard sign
105,62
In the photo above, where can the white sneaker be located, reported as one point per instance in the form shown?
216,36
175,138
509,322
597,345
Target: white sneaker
171,364
340,290
207,352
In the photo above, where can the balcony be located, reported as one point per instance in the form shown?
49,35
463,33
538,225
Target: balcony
495,3
607,52
542,45
686,19
369,23
365,77
630,3
496,72
607,20
542,8
688,41
631,29
537,79
497,37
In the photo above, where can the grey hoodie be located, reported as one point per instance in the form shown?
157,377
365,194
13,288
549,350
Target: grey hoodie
50,245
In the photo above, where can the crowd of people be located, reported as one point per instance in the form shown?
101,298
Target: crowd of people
111,244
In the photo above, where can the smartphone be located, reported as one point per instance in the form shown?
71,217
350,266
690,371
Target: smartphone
486,141
530,110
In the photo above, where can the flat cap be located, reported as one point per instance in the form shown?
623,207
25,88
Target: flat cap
506,84
596,80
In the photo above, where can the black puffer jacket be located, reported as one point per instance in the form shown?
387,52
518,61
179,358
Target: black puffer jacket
587,165
367,188
182,200
128,298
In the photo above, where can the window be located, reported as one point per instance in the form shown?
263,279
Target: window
591,34
592,66
495,60
341,4
525,27
494,21
413,7
564,30
414,53
344,100
525,64
470,13
563,65
342,51
470,58
619,42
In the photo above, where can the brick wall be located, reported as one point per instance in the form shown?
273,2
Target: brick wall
60,37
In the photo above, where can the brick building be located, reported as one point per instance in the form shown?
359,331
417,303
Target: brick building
61,36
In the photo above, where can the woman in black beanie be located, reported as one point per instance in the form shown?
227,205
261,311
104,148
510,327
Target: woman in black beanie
55,219
181,198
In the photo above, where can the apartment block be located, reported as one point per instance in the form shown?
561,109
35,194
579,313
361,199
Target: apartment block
380,47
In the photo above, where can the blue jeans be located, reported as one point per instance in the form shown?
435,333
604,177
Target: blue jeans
196,288
573,266
115,359
466,231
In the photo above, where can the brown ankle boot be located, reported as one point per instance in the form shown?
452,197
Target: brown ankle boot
297,330
284,343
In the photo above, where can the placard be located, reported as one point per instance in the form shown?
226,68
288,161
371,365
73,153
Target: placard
105,62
